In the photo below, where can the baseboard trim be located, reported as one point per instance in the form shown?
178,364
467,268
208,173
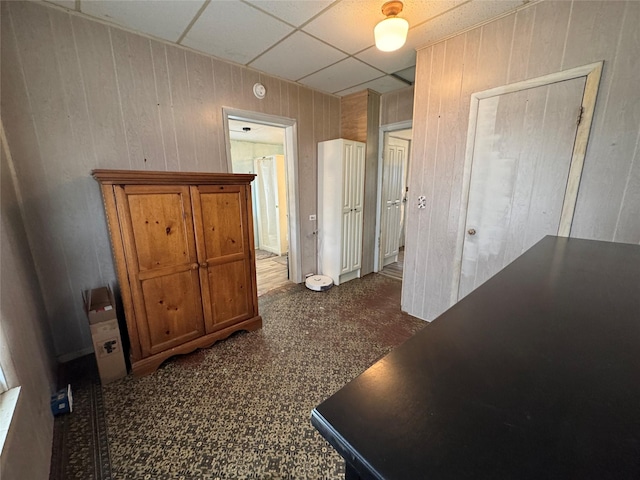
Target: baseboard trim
67,357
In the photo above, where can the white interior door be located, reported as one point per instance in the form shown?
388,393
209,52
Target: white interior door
393,186
522,155
267,186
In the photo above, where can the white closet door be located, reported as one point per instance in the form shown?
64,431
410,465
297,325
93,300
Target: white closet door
267,183
357,193
521,159
346,260
393,174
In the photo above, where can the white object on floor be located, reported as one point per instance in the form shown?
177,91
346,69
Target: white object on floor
319,283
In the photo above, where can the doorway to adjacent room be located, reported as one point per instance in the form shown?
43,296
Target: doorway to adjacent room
261,148
392,196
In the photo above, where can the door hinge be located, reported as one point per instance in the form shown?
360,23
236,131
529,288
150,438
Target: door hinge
580,114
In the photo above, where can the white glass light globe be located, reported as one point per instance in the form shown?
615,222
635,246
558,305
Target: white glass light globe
391,33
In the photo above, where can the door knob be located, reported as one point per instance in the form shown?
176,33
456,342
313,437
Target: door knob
472,231
204,265
194,266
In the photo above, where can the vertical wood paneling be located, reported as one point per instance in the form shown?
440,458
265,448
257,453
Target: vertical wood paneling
136,84
25,340
614,138
180,97
519,54
200,77
405,105
541,39
427,178
369,247
93,47
307,179
444,208
334,118
396,106
415,182
60,211
549,35
78,95
628,226
353,116
165,106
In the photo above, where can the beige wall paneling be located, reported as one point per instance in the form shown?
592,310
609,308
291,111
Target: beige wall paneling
415,182
165,106
59,158
272,102
100,88
604,192
422,175
396,107
26,349
79,95
180,99
549,37
540,39
136,84
205,119
307,179
443,203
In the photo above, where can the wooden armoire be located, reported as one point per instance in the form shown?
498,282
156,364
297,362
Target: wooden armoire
184,253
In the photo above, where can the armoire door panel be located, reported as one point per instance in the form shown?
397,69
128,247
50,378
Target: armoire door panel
230,292
221,220
173,310
162,237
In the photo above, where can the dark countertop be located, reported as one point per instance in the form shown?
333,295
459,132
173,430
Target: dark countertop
535,374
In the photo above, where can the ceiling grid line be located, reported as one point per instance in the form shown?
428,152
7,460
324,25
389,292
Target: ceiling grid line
320,44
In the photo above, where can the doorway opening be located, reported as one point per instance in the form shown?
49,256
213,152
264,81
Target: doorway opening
393,167
264,147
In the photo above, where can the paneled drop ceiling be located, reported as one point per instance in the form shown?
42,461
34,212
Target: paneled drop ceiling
327,45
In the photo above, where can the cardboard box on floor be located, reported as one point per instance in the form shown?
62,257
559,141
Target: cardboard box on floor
105,333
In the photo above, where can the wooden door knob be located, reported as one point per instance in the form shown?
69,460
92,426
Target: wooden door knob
204,265
194,266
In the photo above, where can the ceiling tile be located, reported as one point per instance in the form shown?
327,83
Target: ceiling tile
389,61
235,31
418,11
461,18
297,56
348,25
293,12
341,75
257,133
165,19
381,85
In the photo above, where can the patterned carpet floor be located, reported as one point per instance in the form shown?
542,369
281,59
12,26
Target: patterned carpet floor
240,409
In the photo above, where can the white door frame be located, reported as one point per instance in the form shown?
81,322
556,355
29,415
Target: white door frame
391,127
592,72
291,159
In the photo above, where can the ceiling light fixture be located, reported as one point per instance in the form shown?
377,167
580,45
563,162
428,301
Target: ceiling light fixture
391,33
